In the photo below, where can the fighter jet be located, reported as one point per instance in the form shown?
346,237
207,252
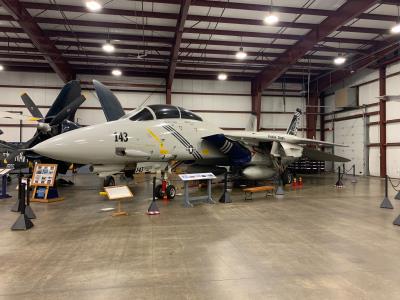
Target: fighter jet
162,134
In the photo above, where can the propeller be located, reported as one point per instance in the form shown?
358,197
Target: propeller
31,106
17,116
67,111
111,106
68,94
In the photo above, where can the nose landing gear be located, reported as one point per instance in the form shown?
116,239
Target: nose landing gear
109,181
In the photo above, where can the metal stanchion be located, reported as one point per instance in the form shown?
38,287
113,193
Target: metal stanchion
354,179
153,208
339,183
386,202
226,196
23,222
28,208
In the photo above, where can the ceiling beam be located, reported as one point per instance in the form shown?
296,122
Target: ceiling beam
281,9
347,12
180,25
167,41
331,78
38,38
173,16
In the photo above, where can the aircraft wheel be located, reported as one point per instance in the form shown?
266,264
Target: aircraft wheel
158,191
109,181
287,177
171,191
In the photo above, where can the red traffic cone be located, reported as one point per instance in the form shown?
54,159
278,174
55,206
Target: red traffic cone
294,183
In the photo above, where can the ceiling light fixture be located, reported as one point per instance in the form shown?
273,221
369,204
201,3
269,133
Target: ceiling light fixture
271,18
93,5
108,47
241,54
116,72
339,60
396,28
222,76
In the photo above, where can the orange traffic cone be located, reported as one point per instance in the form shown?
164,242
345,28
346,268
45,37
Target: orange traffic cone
294,183
300,182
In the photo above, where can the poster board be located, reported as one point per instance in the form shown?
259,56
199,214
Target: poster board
118,192
44,175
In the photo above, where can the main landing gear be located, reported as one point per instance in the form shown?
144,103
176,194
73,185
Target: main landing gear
165,190
170,191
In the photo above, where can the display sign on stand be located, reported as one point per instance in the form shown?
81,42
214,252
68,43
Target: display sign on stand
43,180
118,193
187,201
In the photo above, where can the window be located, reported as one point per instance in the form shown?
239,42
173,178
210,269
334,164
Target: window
143,115
187,114
165,111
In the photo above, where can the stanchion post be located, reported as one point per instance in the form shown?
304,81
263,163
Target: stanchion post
153,208
354,180
339,183
17,205
225,197
28,209
386,202
22,223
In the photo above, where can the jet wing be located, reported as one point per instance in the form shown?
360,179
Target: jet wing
255,137
324,156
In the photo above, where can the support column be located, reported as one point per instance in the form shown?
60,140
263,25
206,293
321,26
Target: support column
311,116
382,120
168,96
322,118
256,103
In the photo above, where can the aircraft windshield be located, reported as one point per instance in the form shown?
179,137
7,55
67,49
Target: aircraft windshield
165,111
162,112
143,115
187,114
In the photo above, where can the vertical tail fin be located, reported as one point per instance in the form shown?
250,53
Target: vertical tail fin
292,129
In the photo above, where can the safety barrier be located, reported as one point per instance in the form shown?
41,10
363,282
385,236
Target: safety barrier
386,203
341,175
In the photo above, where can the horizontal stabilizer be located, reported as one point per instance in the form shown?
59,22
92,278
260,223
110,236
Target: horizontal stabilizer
324,156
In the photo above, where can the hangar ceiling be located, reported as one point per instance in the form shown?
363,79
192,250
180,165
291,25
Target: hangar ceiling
195,39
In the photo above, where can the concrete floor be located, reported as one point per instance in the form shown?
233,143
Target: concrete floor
317,243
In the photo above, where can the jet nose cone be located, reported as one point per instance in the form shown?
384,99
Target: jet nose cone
46,148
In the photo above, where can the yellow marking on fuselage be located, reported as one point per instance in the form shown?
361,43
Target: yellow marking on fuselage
205,151
163,151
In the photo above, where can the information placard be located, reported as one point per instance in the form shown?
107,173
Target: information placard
118,192
197,176
44,175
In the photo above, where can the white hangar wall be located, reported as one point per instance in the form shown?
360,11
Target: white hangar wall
359,127
227,104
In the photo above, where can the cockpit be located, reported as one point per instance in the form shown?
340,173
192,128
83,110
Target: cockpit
159,111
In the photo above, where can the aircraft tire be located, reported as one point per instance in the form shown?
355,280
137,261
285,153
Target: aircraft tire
287,177
109,181
158,191
171,191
